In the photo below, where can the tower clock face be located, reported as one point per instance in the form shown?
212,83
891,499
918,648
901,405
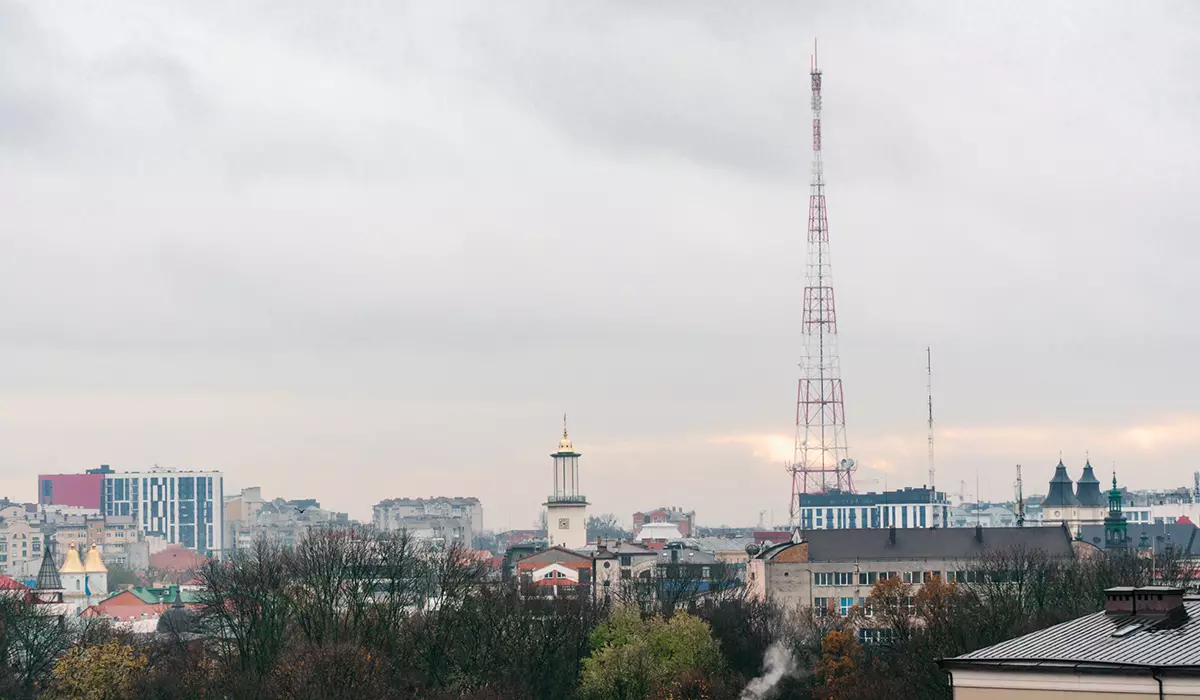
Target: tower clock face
564,523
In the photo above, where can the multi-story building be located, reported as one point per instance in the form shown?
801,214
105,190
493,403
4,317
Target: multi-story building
903,508
183,507
443,517
684,521
248,516
836,569
21,546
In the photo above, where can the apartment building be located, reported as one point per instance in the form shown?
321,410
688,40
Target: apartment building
836,569
903,508
184,507
447,518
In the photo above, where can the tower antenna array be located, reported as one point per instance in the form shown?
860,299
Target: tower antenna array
820,462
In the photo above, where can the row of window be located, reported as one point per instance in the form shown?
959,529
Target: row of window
823,606
870,578
849,518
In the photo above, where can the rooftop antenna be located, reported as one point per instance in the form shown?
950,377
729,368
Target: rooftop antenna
929,391
1020,499
978,509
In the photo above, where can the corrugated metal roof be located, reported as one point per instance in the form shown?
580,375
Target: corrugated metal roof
959,543
1172,643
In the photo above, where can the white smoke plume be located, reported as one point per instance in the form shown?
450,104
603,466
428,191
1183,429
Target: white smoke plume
777,664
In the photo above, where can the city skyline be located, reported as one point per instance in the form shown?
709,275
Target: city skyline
353,265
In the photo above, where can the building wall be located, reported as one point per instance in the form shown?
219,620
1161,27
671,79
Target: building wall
21,545
1004,685
82,490
386,515
566,525
871,516
808,584
186,508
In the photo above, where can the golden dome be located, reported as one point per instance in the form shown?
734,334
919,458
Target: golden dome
93,565
72,564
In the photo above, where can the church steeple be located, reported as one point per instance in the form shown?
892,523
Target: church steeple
1115,525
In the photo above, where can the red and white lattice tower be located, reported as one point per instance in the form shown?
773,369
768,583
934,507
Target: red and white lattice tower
820,462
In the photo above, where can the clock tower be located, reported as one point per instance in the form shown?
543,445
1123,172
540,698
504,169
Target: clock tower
566,508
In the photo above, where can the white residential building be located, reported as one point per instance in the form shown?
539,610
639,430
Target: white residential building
185,507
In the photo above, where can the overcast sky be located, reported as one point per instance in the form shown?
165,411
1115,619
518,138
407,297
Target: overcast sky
376,250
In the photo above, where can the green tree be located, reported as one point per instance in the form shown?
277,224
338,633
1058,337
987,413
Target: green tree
108,671
634,658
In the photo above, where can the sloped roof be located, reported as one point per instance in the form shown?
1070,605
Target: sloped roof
954,543
554,555
659,531
8,583
1165,643
1088,489
1060,493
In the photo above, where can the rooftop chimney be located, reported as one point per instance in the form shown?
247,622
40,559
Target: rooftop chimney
1147,601
979,533
892,535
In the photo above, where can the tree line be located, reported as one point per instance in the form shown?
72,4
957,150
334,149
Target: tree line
383,616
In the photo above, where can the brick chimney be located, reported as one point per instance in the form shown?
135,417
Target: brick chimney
1147,601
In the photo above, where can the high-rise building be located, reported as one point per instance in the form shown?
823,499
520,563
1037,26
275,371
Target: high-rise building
183,507
80,490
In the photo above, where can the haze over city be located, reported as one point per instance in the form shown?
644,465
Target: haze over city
379,252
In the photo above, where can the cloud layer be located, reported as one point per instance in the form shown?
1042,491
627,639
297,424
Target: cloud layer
354,253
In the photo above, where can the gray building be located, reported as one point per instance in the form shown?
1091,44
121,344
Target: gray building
443,517
837,568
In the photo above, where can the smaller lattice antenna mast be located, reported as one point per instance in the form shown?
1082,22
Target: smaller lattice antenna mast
929,394
978,509
1020,499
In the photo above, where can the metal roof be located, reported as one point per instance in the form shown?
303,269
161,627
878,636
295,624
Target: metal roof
1159,535
953,543
1158,642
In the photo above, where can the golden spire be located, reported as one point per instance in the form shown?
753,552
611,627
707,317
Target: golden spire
564,445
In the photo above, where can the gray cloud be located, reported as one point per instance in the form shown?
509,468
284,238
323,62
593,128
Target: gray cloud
392,244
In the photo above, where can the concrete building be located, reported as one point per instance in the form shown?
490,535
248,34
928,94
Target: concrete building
21,548
903,508
248,516
456,517
1144,644
983,514
566,508
185,508
685,522
836,569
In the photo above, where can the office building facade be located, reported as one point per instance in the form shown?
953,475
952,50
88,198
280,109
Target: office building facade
183,507
904,508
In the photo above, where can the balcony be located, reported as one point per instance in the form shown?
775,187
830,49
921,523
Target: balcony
579,498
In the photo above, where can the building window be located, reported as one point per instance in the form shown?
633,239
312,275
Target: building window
844,606
705,572
820,607
912,576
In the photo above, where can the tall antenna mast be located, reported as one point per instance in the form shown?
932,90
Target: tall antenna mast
820,462
932,470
